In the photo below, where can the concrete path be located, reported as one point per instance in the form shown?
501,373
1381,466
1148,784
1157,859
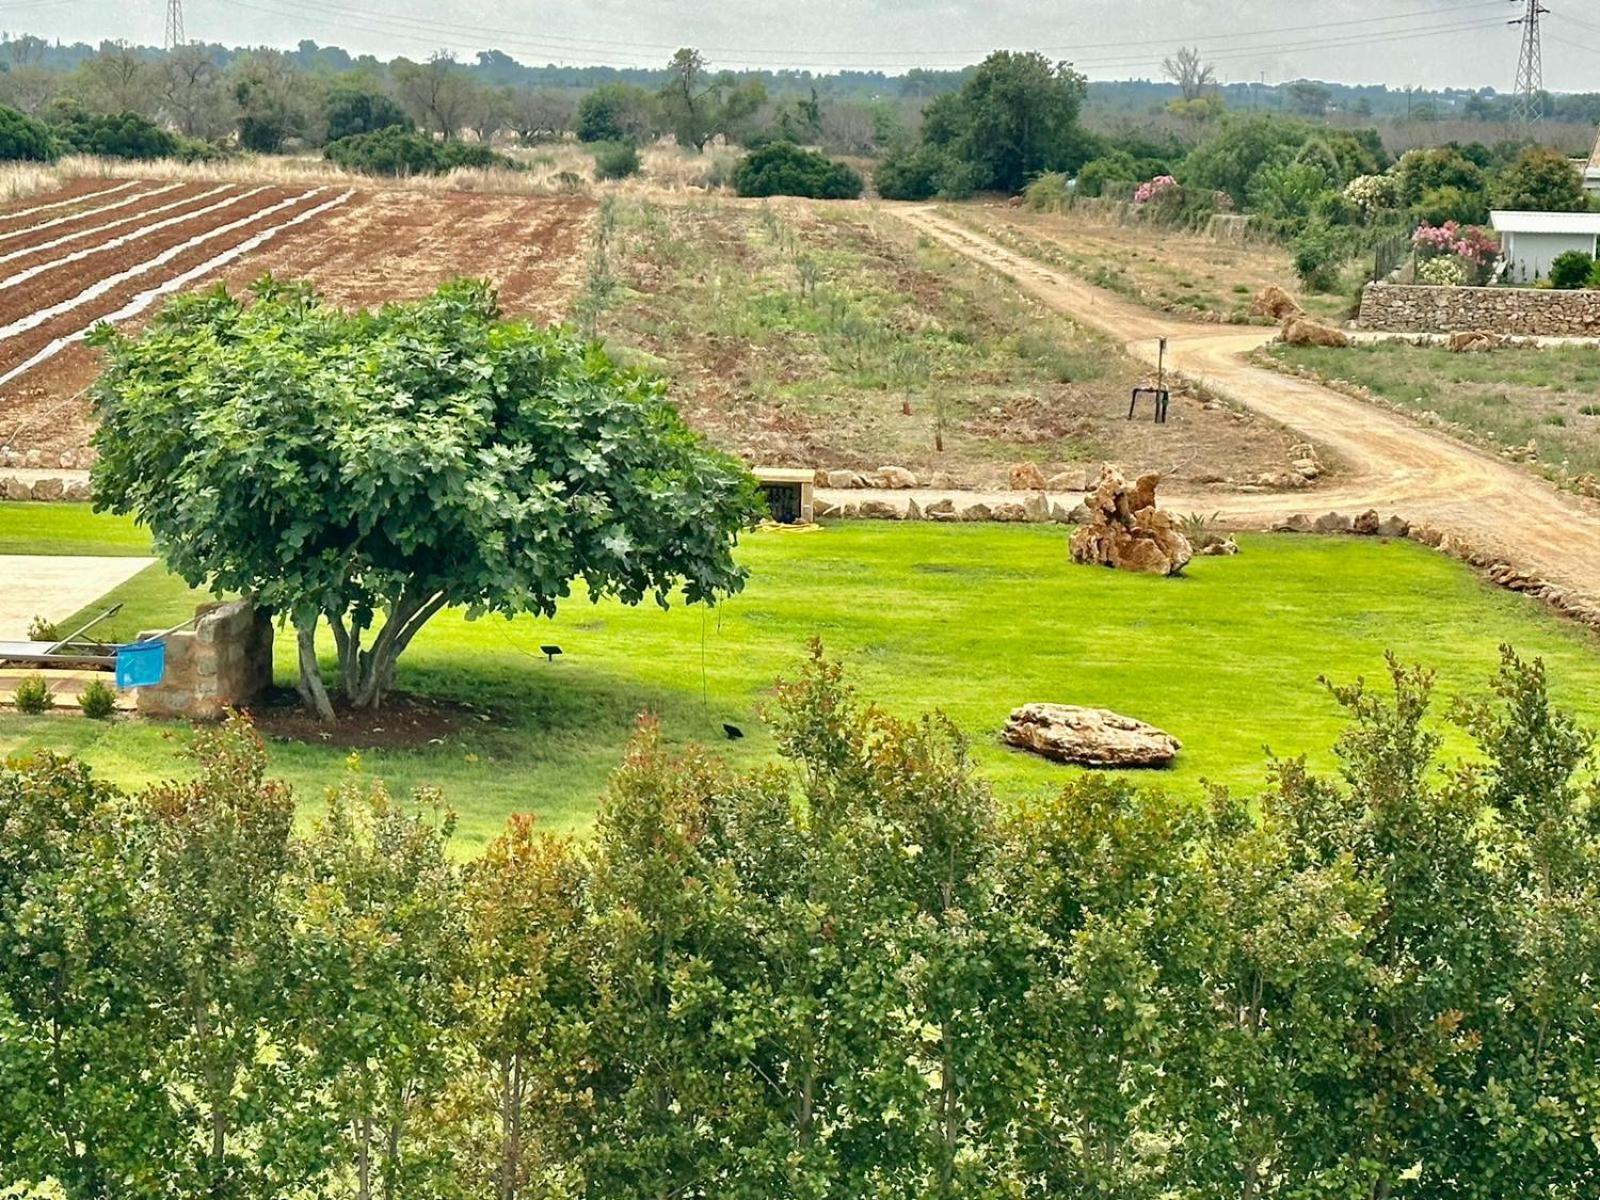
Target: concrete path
1389,463
56,586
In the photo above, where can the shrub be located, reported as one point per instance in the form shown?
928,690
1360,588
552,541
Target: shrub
1571,270
1116,167
1594,276
1047,192
784,169
126,135
33,694
1541,180
1318,253
41,630
911,173
616,160
1445,271
98,701
22,139
399,152
1444,204
348,111
1372,194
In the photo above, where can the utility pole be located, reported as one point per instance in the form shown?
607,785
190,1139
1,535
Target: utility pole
1527,105
174,34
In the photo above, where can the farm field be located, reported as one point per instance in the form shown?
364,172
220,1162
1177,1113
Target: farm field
105,249
973,620
1548,397
1181,273
833,336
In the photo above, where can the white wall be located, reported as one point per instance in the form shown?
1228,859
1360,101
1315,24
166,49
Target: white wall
1530,254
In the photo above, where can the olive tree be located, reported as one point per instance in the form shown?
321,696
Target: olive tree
368,469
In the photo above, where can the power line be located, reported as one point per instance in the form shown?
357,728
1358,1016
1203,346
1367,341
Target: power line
1528,106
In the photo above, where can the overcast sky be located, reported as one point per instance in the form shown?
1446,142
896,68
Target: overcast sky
1432,43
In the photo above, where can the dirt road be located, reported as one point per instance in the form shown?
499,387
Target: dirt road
1389,463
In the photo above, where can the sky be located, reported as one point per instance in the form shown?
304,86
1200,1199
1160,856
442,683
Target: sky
1428,43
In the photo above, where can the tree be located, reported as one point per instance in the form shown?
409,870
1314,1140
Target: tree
1014,117
1307,98
1541,180
192,92
697,108
118,80
273,99
1193,75
351,109
1229,160
616,112
537,114
784,169
23,139
394,463
439,93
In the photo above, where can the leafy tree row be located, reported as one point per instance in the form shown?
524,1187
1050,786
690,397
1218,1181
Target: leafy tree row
849,975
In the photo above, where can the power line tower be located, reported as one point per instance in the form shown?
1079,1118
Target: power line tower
1527,106
174,35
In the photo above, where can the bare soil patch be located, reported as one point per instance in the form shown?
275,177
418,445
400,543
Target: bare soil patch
405,721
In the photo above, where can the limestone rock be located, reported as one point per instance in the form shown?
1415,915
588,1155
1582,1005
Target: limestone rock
77,489
1080,514
13,488
1298,523
879,510
940,509
1094,737
896,478
1062,481
1127,531
913,510
1010,514
1026,477
1299,331
1474,341
1037,507
49,489
1394,527
1272,301
845,479
1220,548
1366,524
975,512
1333,523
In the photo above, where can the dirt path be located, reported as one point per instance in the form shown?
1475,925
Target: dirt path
1389,463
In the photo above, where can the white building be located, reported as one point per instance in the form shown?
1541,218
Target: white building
1529,241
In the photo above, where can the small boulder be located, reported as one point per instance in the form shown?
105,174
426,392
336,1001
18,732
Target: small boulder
1298,331
1220,548
976,512
896,478
1092,737
13,488
1026,477
822,510
1272,301
49,489
940,508
78,489
1394,527
1010,514
1062,481
845,479
879,510
1298,523
1367,524
1474,341
913,510
1037,507
1333,523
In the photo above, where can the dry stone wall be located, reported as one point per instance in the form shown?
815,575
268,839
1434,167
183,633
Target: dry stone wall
1526,312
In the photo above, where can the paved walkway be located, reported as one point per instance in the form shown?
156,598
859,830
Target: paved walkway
1388,462
56,586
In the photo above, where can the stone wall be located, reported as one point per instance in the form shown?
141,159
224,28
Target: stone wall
1527,312
224,661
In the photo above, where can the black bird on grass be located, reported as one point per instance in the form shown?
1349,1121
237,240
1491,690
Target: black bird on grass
733,731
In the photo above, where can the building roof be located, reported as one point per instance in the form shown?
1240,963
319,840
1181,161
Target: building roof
1594,156
1546,222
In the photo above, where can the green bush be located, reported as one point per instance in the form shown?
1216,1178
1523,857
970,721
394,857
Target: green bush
350,110
22,139
1571,270
33,694
42,630
1116,167
1594,276
1319,251
1047,192
98,700
784,169
911,173
616,160
125,135
400,152
1450,203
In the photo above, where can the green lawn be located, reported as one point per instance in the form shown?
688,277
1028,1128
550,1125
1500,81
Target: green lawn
970,619
1508,397
67,529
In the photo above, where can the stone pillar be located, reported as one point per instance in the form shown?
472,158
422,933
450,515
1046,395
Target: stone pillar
223,661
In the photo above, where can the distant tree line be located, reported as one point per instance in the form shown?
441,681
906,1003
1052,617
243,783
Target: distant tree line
852,974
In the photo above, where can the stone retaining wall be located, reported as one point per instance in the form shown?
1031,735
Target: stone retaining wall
224,661
49,487
1529,312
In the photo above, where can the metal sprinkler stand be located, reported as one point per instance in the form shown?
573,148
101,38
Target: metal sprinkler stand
1158,394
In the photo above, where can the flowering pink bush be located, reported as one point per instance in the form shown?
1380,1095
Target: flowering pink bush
1468,243
1154,189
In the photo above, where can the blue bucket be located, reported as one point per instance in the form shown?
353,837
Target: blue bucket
141,664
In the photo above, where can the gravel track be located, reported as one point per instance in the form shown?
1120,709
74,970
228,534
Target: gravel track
1387,462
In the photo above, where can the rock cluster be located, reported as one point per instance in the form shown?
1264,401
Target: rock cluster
1367,524
49,487
1475,341
1092,737
1415,308
1272,301
1127,531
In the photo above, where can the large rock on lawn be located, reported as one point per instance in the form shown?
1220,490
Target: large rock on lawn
1127,531
1090,737
1272,301
1299,331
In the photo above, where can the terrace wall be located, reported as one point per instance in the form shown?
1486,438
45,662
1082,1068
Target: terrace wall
1525,312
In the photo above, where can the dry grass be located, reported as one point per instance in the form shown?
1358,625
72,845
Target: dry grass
553,170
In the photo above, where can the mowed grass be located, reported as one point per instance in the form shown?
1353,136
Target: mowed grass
973,620
1548,396
68,529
